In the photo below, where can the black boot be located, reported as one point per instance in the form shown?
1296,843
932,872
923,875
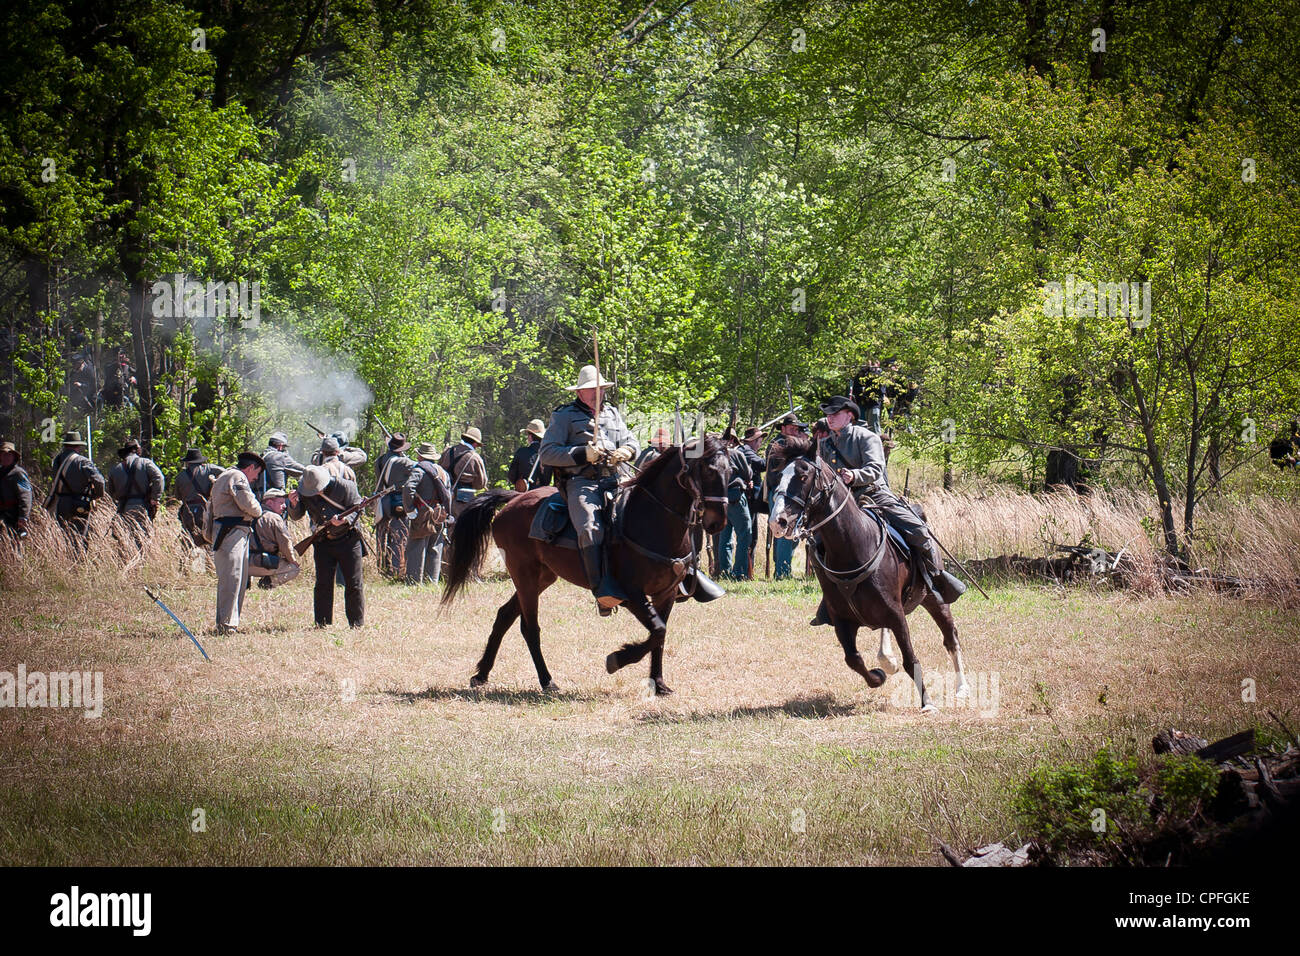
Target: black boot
700,586
945,587
604,588
823,616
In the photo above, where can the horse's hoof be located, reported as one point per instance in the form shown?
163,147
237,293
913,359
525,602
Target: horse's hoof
662,689
929,709
477,681
551,688
887,664
876,677
963,692
611,663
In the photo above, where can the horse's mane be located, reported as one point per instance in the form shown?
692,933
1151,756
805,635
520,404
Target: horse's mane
798,446
650,473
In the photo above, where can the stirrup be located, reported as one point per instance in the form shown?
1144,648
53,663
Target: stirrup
706,589
948,587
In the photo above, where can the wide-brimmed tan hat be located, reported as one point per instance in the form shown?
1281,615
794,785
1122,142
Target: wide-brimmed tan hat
587,379
536,427
8,446
313,481
427,451
72,439
473,434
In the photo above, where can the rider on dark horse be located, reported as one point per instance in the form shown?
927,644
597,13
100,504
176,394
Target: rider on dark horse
587,453
858,457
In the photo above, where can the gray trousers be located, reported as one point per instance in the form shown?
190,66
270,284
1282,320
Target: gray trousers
424,559
390,539
584,500
231,560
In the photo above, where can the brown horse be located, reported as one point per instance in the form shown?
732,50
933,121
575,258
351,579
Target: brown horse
650,553
864,582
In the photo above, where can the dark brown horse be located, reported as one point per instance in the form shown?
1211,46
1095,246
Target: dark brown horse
864,581
650,555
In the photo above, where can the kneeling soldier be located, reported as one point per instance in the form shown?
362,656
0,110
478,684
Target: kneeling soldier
273,560
586,453
325,497
858,457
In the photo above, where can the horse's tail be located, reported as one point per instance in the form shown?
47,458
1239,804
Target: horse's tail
469,539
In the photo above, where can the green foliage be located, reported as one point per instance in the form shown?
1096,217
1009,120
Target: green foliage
1109,811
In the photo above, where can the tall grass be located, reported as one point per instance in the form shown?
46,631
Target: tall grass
1248,536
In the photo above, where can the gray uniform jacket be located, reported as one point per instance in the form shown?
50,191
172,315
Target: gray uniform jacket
860,451
194,485
392,468
79,478
15,495
343,494
134,482
279,465
569,432
420,482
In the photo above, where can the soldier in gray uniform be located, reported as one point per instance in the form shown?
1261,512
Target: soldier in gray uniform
15,494
77,483
136,484
194,488
279,465
858,457
350,455
586,452
423,551
391,521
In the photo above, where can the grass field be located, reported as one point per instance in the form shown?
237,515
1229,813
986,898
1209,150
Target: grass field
345,747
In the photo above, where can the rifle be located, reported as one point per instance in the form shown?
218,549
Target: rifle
319,433
387,434
302,546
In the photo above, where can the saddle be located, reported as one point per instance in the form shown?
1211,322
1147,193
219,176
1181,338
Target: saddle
552,524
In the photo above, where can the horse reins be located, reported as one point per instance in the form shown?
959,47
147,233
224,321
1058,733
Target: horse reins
843,579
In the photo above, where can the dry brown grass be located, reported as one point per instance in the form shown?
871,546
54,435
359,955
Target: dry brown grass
1248,537
768,726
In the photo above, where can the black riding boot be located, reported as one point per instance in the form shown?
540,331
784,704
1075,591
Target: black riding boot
944,585
603,586
705,588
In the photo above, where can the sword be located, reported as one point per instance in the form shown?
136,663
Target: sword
179,623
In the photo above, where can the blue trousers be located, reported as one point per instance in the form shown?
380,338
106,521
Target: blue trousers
782,556
737,522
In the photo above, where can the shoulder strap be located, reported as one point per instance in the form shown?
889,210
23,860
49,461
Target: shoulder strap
460,464
54,488
388,467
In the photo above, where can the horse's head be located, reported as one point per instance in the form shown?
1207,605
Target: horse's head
708,469
801,474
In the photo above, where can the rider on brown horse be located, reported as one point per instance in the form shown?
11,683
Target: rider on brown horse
858,457
587,449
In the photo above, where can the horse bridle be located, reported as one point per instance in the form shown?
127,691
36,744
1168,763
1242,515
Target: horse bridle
824,491
846,581
695,516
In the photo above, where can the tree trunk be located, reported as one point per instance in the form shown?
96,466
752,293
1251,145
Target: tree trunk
1156,461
